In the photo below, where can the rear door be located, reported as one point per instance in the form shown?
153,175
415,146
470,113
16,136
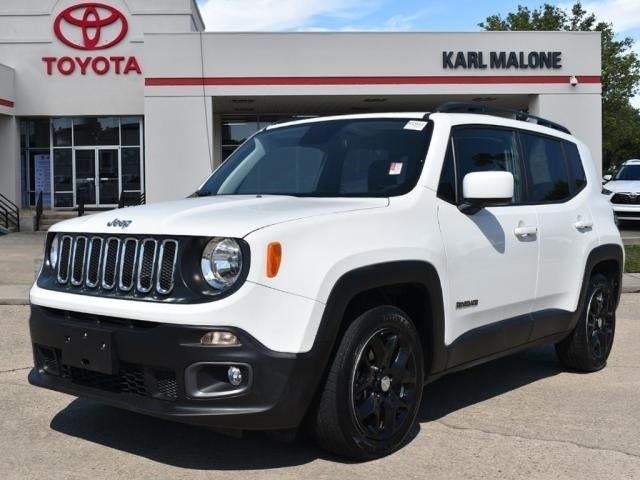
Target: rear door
491,265
557,184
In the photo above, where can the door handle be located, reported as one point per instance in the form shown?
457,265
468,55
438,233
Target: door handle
104,179
583,224
525,231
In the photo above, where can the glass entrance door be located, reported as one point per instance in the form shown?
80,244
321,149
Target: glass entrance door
85,176
97,176
109,176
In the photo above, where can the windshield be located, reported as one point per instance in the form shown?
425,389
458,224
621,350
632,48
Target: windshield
371,157
629,172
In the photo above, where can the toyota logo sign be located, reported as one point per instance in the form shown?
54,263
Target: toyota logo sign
90,26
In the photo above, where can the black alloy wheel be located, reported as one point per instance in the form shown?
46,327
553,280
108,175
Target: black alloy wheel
587,347
384,384
600,323
372,393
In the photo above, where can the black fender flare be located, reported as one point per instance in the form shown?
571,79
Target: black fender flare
381,275
603,253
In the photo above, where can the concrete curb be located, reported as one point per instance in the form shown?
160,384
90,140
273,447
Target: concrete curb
14,294
14,301
631,283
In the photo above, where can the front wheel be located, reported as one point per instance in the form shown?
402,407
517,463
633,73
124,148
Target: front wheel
373,390
588,346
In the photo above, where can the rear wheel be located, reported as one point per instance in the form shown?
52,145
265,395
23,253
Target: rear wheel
588,346
372,393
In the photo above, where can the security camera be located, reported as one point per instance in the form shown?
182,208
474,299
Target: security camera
573,80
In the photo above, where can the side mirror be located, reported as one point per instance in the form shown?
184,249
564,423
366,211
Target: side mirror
486,189
606,178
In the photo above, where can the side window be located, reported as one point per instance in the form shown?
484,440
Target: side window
546,166
447,185
480,149
578,177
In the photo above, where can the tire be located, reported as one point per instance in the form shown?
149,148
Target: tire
588,346
373,390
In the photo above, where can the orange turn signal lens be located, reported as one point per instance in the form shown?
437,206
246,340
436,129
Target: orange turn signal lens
274,257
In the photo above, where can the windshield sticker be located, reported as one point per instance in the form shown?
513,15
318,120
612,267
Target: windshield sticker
395,168
415,125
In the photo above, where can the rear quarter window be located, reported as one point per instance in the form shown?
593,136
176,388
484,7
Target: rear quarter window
578,177
546,168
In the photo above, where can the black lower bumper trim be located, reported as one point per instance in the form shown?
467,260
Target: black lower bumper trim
144,371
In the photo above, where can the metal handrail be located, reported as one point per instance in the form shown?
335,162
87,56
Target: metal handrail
132,200
38,211
81,202
10,212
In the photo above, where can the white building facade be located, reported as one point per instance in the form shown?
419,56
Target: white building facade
97,99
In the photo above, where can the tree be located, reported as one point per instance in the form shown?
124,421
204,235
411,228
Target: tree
620,70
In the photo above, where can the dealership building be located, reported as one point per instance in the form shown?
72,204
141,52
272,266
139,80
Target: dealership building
133,96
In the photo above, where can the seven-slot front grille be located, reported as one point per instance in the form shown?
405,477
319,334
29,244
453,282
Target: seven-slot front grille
626,198
118,265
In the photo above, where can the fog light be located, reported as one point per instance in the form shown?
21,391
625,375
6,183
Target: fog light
221,339
235,376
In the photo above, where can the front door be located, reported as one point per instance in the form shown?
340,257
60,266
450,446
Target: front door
97,176
492,255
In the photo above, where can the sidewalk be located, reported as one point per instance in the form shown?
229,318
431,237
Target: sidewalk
20,257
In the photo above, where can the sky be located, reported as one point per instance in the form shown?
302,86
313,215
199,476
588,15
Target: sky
393,15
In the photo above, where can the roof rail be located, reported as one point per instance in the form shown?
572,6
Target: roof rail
461,107
290,118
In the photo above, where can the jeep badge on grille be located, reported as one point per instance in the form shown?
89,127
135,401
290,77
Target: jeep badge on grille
119,223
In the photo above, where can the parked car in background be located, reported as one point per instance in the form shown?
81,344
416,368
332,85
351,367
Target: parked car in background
623,190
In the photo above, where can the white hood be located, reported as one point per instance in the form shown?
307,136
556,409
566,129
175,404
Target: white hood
224,216
630,186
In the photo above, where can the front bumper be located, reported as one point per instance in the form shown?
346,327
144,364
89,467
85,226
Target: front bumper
162,370
626,212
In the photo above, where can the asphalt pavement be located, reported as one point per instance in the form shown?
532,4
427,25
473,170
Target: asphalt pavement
518,417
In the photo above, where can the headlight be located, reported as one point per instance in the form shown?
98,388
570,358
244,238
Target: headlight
221,263
54,251
606,192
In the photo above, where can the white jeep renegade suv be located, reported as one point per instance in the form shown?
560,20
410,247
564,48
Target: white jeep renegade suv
329,269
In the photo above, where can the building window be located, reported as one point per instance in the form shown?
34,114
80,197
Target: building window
93,159
35,154
89,131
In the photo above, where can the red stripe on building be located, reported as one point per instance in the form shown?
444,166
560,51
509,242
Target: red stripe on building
413,80
6,103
